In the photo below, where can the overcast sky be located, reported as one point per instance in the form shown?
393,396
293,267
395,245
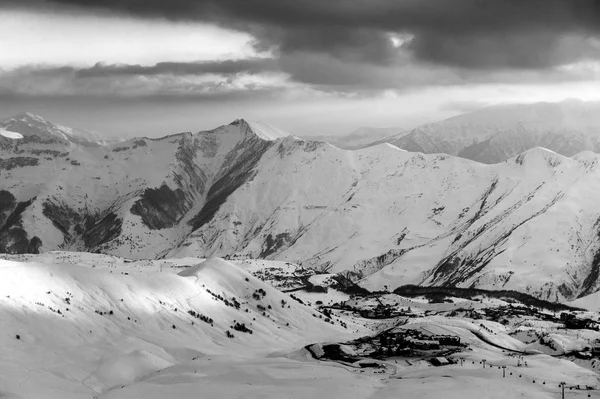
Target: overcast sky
153,67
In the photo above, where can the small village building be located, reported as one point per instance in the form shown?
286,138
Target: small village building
440,361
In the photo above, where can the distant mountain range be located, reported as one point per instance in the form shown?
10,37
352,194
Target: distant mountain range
30,125
380,215
359,138
496,133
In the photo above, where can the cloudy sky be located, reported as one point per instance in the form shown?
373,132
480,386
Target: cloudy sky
152,67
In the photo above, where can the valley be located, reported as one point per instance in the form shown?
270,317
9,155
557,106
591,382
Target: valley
79,325
262,199
246,262
380,217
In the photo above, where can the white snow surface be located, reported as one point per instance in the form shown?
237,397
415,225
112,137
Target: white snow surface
31,124
134,352
267,131
66,349
10,135
383,216
393,217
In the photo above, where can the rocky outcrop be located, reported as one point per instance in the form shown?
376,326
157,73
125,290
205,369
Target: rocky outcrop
164,207
101,231
8,202
273,244
70,222
13,237
161,208
18,162
378,216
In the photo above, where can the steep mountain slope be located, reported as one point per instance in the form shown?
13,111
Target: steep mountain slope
387,217
133,198
496,133
381,216
29,125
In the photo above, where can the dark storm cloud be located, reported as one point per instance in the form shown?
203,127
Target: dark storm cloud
225,67
213,79
475,34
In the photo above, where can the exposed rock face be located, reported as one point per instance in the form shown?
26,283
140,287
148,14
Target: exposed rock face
13,238
384,217
134,192
18,162
161,208
238,168
274,244
64,218
379,217
102,231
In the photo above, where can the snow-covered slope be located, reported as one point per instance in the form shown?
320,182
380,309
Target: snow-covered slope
10,135
137,198
387,217
496,133
80,326
28,124
78,331
382,216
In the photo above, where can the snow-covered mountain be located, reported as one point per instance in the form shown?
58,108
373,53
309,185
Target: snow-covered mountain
359,138
496,133
138,198
381,216
31,125
388,217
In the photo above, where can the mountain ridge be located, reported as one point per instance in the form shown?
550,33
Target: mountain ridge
381,216
496,133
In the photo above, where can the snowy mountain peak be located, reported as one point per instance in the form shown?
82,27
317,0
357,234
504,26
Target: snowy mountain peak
28,124
380,216
239,122
267,131
539,156
262,130
28,116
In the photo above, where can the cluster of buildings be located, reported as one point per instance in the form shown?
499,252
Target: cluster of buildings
571,321
405,341
384,312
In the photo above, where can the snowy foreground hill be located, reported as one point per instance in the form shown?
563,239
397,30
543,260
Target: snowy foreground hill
81,325
381,216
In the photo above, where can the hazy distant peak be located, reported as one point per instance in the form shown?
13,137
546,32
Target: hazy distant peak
30,124
496,133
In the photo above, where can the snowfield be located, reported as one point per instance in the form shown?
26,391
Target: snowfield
78,325
84,330
10,135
